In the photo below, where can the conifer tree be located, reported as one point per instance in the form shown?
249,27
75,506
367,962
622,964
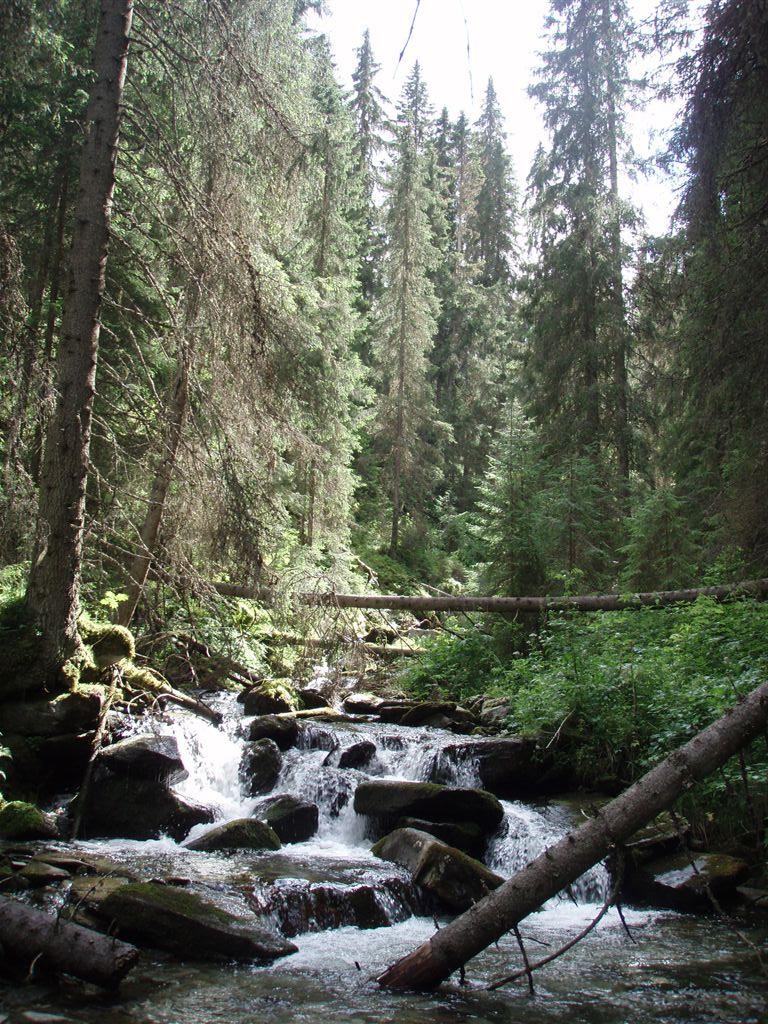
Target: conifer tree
407,322
494,217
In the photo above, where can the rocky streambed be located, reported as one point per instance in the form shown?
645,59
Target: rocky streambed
314,849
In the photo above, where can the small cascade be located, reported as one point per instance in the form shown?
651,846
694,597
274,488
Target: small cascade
525,833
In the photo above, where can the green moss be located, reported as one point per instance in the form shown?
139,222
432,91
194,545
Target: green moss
19,820
110,644
143,678
281,689
164,897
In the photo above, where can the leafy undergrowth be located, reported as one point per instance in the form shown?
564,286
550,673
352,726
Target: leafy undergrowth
620,690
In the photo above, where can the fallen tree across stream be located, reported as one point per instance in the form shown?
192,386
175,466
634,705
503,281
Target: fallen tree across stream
502,910
505,605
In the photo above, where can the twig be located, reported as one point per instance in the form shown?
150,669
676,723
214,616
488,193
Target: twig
410,33
527,971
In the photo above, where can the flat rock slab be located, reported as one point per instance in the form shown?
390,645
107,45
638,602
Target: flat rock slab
456,879
240,834
188,925
388,799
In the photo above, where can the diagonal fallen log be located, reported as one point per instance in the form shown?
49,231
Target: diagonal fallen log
490,918
507,605
31,936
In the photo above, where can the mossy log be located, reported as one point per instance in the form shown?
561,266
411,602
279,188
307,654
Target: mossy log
29,936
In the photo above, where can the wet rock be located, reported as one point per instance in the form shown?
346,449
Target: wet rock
240,834
362,703
312,699
301,906
510,767
388,800
19,820
39,873
755,899
67,714
662,835
265,700
440,715
118,806
493,712
680,880
464,836
456,879
261,766
185,924
392,711
315,737
145,757
293,820
282,731
359,755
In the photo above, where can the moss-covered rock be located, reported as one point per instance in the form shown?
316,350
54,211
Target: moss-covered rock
293,820
189,926
270,697
19,820
240,834
109,643
67,714
456,879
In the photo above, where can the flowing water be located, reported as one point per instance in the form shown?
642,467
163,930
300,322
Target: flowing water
669,968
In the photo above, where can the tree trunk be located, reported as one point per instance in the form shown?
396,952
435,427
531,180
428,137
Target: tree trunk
511,605
176,414
485,922
27,934
54,583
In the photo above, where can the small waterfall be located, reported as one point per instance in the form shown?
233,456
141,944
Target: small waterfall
525,833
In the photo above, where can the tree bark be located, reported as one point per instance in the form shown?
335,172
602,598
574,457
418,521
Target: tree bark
490,918
511,605
27,934
54,583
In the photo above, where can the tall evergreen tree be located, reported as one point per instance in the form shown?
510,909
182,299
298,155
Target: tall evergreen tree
407,322
494,218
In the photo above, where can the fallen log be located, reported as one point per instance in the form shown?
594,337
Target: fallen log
501,911
507,605
32,936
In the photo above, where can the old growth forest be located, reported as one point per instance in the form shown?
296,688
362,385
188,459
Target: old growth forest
383,524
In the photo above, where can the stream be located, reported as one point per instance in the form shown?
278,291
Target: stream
669,968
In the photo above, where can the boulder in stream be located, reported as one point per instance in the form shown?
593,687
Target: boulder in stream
464,836
362,703
293,820
681,880
440,715
359,755
282,730
189,926
260,766
20,821
145,757
387,801
456,879
267,699
239,834
120,806
511,767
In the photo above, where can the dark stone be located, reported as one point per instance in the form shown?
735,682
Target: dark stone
464,836
69,713
422,714
190,927
128,808
240,834
282,731
302,906
510,767
315,737
261,766
359,755
389,800
145,757
457,880
293,820
673,881
392,711
261,701
45,765
310,698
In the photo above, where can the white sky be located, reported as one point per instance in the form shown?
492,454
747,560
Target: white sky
504,38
